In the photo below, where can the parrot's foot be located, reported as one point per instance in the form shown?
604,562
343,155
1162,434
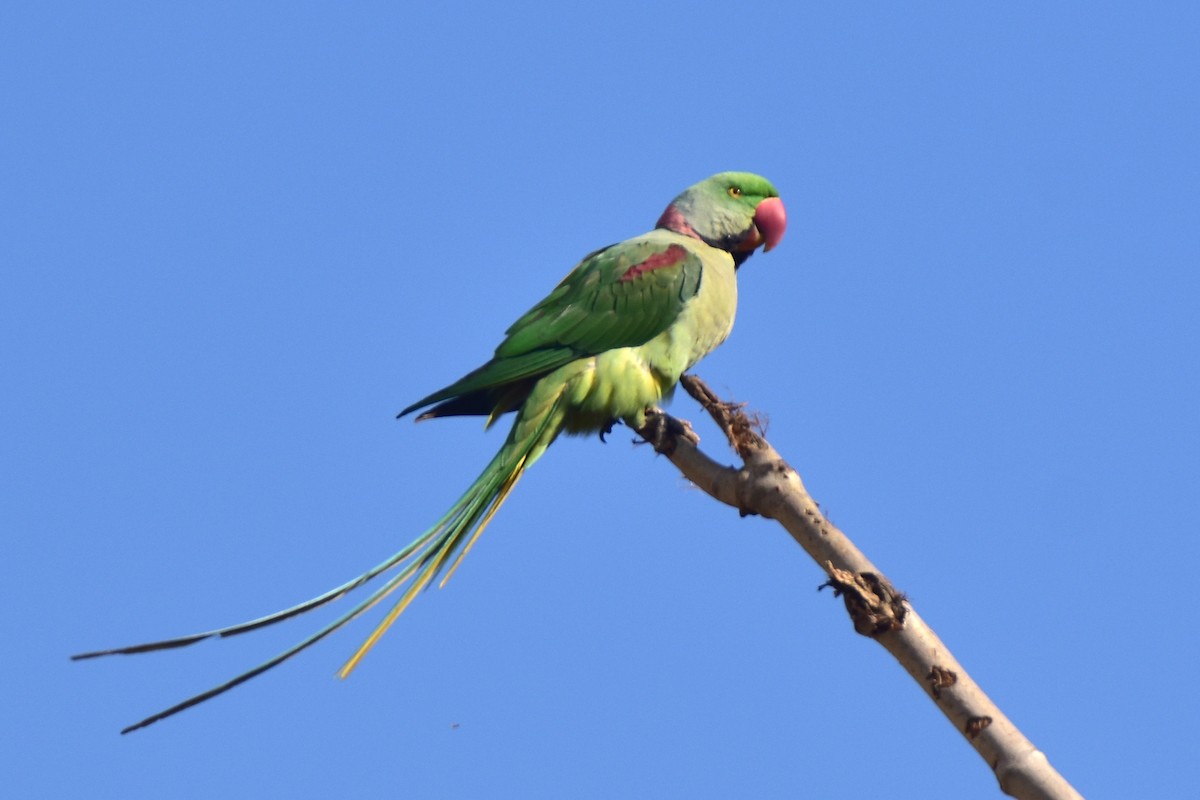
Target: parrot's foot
607,429
662,431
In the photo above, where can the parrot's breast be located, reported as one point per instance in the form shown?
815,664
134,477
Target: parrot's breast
704,322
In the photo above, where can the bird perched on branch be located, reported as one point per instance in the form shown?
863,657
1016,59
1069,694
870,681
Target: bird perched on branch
607,344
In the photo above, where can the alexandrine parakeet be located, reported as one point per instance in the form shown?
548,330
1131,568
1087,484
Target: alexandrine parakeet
608,343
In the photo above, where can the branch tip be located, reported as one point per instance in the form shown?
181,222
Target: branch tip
744,431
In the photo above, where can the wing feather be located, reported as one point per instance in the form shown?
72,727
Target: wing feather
621,296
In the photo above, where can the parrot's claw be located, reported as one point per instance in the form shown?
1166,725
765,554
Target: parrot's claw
607,429
663,431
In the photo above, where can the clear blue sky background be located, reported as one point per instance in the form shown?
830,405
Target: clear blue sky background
236,240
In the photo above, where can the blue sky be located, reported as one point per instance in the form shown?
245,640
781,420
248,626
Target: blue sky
237,239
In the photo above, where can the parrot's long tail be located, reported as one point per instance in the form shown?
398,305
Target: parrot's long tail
536,426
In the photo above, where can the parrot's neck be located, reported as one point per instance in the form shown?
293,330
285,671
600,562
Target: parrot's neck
672,219
739,246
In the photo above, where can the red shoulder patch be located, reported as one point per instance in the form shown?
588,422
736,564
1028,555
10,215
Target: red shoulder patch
667,258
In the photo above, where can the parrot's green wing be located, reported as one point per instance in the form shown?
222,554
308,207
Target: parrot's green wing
621,296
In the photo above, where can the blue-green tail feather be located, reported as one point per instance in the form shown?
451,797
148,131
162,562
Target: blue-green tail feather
423,560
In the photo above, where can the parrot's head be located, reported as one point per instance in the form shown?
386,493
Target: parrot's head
733,211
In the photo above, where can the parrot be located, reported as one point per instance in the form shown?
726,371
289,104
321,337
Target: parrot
607,345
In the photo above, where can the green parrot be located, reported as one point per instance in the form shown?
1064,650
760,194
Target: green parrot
610,342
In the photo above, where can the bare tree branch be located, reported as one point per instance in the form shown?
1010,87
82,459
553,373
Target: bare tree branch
765,485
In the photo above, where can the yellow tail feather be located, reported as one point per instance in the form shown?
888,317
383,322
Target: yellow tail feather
501,496
417,585
427,573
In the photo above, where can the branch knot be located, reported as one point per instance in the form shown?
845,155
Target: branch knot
872,602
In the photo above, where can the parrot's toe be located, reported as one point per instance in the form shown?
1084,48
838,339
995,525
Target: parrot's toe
663,432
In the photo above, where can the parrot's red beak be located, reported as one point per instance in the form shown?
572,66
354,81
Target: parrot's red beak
770,218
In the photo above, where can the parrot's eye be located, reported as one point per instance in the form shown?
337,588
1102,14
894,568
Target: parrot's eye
735,191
